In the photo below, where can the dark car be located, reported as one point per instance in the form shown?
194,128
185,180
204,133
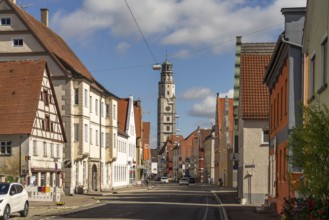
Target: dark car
192,180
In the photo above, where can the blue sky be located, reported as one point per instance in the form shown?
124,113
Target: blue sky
198,37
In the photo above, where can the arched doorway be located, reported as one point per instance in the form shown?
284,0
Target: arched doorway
94,178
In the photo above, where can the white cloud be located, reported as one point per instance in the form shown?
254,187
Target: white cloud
195,93
205,109
228,94
122,47
192,23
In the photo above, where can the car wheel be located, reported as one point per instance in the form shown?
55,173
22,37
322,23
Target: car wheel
25,212
6,213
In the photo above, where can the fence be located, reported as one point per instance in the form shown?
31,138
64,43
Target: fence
44,193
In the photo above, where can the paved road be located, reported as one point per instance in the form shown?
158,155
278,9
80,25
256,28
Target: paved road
164,201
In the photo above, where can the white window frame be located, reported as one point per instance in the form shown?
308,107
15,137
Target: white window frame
76,96
35,148
114,111
76,132
58,152
91,103
52,150
96,133
86,98
6,148
86,133
45,151
96,106
18,39
263,136
2,24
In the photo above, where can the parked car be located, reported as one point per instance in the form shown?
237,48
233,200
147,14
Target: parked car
13,198
164,179
184,181
192,180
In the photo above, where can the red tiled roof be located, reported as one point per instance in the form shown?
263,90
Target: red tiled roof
146,132
254,94
20,86
52,42
122,113
138,118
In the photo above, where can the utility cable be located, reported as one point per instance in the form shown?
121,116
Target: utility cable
192,52
140,31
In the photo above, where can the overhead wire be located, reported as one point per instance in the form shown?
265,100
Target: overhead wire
192,52
140,31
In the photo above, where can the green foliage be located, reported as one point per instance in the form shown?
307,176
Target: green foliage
309,147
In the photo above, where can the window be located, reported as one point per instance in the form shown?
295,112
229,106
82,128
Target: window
102,137
91,135
168,128
96,137
102,111
96,106
18,42
52,150
114,112
58,154
86,133
5,148
45,97
107,110
168,118
76,96
5,21
47,123
76,132
324,67
265,136
44,149
84,176
86,98
311,88
91,103
35,148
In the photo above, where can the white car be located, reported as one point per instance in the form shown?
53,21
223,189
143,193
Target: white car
13,198
164,179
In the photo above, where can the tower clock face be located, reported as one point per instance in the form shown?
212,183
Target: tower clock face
168,108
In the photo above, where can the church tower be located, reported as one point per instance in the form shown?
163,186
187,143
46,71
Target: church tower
166,105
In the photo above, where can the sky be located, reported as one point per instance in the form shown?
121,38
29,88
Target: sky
120,40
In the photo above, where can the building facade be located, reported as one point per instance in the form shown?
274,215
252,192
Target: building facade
31,134
284,80
253,123
87,108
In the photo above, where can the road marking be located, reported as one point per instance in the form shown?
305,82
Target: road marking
206,212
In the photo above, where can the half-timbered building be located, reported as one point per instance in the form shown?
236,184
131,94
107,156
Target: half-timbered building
32,136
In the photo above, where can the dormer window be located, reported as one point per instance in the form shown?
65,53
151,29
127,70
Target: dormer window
5,21
18,42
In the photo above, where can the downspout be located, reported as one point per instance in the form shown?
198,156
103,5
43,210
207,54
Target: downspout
291,43
100,142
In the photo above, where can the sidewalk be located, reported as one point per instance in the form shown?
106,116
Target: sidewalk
234,211
73,202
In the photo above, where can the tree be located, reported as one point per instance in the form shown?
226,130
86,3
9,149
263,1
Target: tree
309,149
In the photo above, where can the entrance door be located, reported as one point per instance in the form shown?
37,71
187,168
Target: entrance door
94,178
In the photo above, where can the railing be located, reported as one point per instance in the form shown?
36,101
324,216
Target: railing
44,193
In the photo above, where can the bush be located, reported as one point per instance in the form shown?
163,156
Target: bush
304,209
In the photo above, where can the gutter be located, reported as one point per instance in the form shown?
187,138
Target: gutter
291,43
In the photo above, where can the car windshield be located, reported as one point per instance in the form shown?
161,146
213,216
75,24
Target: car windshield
164,178
4,187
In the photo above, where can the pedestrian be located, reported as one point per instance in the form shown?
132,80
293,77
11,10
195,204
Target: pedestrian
147,182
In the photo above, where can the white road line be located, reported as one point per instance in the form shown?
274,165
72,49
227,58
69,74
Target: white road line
206,212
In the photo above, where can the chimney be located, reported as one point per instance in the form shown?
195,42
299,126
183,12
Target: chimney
44,16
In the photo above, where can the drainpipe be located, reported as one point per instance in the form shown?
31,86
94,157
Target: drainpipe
100,142
290,43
